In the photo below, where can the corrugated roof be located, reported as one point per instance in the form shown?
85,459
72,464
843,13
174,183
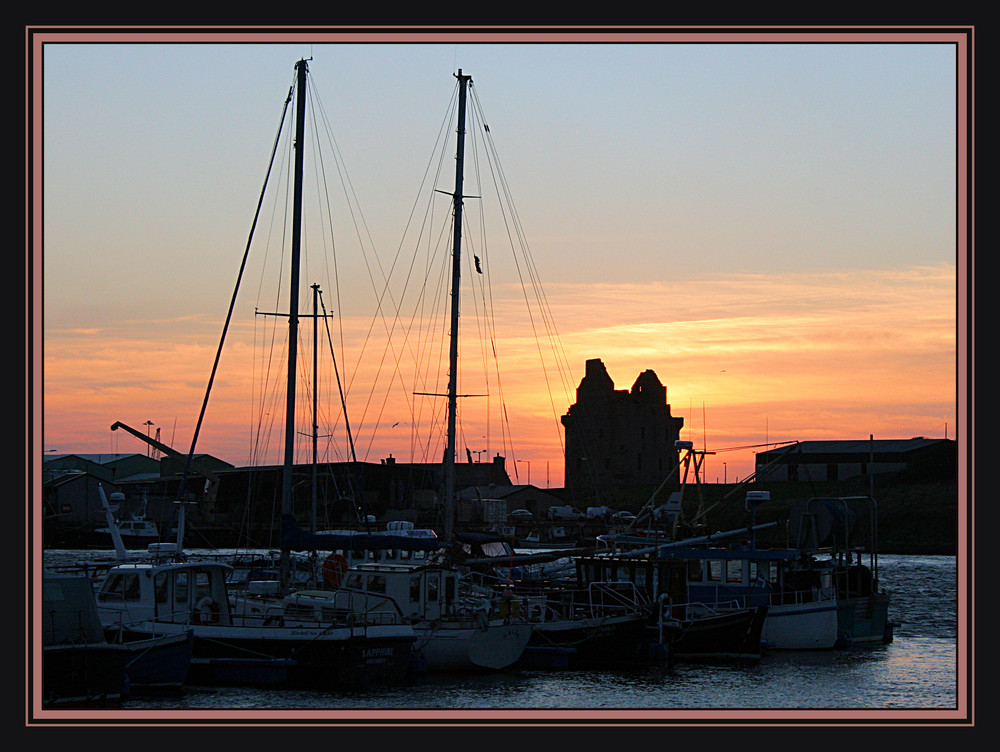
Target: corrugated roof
854,446
97,459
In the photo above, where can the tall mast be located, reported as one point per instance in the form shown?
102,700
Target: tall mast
456,274
315,425
293,303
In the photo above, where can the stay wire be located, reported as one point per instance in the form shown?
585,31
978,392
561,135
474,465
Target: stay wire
232,302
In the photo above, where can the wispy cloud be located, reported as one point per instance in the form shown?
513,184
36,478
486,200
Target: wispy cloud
745,358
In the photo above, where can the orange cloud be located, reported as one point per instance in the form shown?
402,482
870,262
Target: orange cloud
746,359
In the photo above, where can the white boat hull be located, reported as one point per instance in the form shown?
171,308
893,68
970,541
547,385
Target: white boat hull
469,647
801,626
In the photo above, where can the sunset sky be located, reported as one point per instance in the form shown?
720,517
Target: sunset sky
771,228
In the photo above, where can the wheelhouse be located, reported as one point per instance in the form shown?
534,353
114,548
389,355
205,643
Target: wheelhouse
179,593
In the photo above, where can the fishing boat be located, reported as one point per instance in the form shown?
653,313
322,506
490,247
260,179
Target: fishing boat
800,599
580,625
829,528
677,623
80,665
798,592
340,646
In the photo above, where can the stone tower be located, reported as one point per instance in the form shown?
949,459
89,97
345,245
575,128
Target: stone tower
619,438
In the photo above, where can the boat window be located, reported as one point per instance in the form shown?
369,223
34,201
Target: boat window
734,571
120,586
694,570
376,583
714,570
496,548
355,581
160,587
414,589
404,555
449,589
131,587
202,586
299,611
432,589
640,577
110,588
181,587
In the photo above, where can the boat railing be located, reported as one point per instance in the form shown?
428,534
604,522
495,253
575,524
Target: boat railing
674,611
315,609
700,608
605,598
671,615
596,600
801,596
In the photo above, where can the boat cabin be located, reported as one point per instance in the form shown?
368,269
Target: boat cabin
400,542
175,592
420,593
653,578
750,576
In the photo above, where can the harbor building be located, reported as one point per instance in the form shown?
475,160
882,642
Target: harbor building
918,458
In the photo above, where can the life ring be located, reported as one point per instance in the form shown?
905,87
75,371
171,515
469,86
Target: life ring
206,611
334,568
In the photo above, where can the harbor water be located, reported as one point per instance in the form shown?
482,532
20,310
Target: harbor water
919,670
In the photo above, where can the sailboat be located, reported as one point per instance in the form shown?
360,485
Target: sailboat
339,643
458,627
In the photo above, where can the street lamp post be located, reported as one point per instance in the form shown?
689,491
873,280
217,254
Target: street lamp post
148,423
529,469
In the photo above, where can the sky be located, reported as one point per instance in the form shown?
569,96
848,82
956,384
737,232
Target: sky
772,228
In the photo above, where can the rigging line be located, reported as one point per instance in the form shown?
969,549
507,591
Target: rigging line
429,332
268,354
441,138
232,302
544,308
423,331
397,372
343,398
488,338
489,331
390,346
274,395
503,189
755,446
353,205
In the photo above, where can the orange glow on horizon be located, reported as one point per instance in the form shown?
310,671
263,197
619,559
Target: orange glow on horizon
746,361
